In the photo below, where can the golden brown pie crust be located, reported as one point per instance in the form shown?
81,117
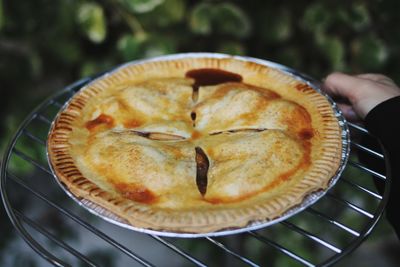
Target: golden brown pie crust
270,140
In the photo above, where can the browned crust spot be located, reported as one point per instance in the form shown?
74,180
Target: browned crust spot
102,119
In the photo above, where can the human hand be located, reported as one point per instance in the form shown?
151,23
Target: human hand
361,92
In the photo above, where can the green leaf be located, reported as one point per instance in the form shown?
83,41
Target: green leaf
359,17
171,11
88,68
333,50
317,17
157,45
142,6
201,17
20,166
232,48
224,18
355,17
167,14
231,20
92,21
139,46
131,46
370,53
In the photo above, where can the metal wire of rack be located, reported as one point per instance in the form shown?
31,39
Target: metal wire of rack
324,228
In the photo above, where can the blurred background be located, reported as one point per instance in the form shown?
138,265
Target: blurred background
47,44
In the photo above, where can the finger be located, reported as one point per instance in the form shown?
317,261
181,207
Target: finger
343,85
348,112
375,77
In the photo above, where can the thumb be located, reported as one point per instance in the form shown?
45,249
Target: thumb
343,85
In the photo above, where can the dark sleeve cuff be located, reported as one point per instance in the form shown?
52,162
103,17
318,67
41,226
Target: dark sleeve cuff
383,121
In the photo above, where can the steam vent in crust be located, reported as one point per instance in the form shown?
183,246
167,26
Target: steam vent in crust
195,145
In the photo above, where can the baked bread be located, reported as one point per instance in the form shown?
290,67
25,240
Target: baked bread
195,145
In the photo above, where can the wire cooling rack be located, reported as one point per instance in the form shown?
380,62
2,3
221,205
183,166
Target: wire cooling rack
319,236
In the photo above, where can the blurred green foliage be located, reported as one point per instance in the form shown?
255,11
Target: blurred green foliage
92,22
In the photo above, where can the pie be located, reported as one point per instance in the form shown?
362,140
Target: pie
195,144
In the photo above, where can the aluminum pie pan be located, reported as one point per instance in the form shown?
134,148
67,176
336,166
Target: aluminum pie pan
307,201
